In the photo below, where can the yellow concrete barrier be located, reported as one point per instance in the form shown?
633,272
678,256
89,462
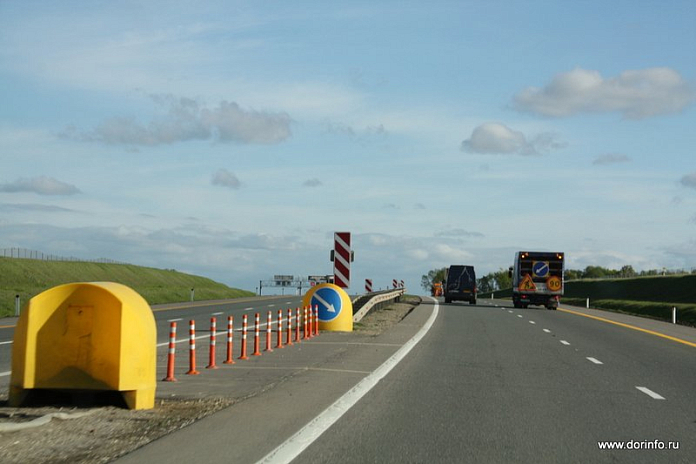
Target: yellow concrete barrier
335,307
86,336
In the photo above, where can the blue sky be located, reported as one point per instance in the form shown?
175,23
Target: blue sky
231,139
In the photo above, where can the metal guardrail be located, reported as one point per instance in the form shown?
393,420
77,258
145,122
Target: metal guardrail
375,299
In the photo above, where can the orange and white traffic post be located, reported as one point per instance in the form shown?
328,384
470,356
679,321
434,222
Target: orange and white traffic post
279,343
297,327
230,340
211,351
243,355
172,354
257,341
269,331
288,338
192,349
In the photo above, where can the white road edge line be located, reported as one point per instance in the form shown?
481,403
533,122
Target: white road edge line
595,360
651,393
300,441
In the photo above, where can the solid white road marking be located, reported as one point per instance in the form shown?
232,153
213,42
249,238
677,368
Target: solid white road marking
532,322
174,320
565,342
5,343
651,393
519,315
248,309
595,360
5,374
547,331
216,314
296,444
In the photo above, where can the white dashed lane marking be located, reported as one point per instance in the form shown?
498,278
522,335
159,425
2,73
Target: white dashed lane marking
651,393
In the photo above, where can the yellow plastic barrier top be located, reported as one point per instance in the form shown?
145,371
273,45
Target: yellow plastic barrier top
86,336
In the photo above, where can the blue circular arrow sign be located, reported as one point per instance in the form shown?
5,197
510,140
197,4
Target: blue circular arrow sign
329,302
540,268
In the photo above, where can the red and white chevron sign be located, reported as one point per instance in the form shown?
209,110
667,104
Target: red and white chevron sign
395,283
368,285
342,259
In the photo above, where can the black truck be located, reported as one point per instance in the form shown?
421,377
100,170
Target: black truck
460,284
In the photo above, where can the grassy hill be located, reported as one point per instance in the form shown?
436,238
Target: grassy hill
653,296
27,278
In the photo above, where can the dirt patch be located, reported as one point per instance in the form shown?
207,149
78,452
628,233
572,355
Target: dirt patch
96,435
377,321
102,434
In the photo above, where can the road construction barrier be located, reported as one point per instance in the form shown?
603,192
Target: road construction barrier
71,337
269,331
376,301
211,350
230,340
257,340
243,354
171,355
192,349
335,307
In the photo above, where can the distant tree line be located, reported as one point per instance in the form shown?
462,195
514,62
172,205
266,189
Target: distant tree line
501,280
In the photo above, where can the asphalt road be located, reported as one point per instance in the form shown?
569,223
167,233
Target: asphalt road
485,383
500,384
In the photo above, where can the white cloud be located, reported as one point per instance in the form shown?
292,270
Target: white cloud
611,158
636,94
458,233
225,178
42,185
497,138
187,120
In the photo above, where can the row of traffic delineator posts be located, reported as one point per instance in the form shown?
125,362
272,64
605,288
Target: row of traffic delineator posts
306,326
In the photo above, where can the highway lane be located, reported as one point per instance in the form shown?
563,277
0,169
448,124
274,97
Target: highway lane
200,312
523,385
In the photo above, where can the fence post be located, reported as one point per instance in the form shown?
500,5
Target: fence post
588,303
674,315
17,305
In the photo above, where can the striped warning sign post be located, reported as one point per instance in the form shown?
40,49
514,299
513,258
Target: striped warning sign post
368,285
342,257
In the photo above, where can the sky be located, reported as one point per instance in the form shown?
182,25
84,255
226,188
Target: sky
231,139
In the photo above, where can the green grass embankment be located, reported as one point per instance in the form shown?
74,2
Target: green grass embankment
652,297
27,278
